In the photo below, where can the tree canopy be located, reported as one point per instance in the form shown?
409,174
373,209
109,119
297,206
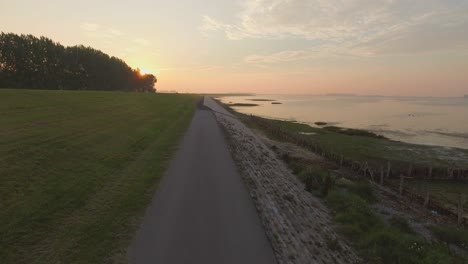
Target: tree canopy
29,62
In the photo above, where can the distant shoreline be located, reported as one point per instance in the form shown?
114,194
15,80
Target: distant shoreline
388,148
411,120
214,95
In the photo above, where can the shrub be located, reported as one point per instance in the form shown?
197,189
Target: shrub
343,182
379,242
401,224
361,188
296,166
353,212
388,245
364,190
438,254
452,235
316,179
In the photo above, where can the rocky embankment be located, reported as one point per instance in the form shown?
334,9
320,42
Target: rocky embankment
298,225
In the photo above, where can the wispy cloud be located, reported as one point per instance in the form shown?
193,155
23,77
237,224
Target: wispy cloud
319,51
366,27
115,32
192,67
131,50
142,42
94,30
283,56
210,24
89,27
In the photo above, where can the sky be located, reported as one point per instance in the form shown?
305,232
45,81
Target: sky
378,47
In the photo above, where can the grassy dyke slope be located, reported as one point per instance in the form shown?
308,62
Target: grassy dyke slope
77,170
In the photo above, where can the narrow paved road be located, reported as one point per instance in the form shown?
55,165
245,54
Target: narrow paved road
201,212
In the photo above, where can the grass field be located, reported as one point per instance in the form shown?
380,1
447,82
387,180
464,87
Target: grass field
361,145
380,241
447,193
77,170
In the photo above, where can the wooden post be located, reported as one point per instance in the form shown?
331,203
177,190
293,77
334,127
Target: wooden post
401,183
365,170
426,198
429,176
410,170
371,173
308,184
381,175
389,169
460,208
341,160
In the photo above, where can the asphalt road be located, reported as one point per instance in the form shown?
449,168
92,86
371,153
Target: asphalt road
201,212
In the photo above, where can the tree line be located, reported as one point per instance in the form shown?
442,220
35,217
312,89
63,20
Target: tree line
28,62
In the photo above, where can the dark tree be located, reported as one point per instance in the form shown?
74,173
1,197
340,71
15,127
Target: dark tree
29,62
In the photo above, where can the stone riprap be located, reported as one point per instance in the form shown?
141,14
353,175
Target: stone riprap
298,225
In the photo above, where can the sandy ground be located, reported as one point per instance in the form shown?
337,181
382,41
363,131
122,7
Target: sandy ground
298,225
202,212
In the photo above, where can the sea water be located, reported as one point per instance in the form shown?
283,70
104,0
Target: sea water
419,120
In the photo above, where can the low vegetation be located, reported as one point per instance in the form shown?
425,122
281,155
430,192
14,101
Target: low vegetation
242,104
317,180
352,132
261,100
445,192
377,240
77,170
361,145
453,235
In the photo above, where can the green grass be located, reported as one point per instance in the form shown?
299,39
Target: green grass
317,180
77,170
260,100
375,239
361,145
352,131
243,105
445,192
379,241
452,235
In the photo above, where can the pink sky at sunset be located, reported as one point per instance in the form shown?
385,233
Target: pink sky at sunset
385,47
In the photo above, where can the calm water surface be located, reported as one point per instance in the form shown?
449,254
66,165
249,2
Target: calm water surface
419,120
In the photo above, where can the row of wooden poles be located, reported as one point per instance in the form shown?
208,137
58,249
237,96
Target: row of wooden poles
382,171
